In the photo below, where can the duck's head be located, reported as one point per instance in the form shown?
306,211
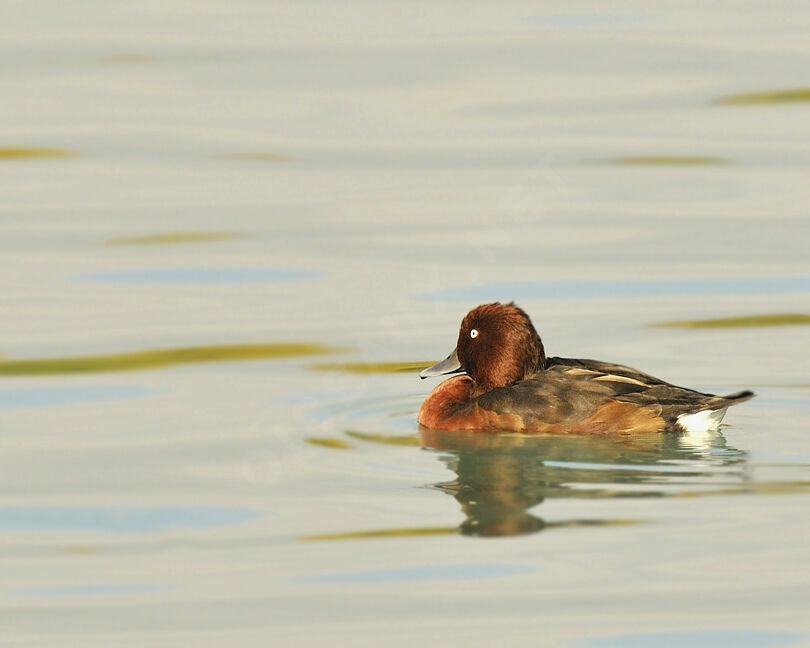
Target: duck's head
497,346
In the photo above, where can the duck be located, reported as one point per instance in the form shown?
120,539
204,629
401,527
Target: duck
505,383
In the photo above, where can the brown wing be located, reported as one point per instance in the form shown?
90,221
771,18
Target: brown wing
559,394
569,391
605,368
674,400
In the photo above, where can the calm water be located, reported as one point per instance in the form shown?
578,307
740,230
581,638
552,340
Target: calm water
230,233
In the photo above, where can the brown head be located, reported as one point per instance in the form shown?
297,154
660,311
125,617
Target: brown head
497,346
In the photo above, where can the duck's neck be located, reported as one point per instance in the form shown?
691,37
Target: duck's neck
517,363
541,356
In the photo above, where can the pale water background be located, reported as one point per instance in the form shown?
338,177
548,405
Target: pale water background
354,176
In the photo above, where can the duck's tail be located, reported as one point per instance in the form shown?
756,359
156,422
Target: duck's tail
712,412
732,399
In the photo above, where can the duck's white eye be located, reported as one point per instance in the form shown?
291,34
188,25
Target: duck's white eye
474,333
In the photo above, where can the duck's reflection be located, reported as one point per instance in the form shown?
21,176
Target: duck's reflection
499,478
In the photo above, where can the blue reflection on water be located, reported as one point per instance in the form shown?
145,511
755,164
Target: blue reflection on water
17,398
697,639
427,573
201,276
119,520
572,289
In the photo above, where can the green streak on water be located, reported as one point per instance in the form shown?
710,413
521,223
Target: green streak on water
81,550
777,319
790,95
326,442
373,367
158,358
667,160
29,153
434,531
173,238
383,533
386,439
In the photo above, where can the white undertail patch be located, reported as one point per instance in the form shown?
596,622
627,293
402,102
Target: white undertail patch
704,421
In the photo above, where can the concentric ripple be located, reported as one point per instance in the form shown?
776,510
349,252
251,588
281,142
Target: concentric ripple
389,420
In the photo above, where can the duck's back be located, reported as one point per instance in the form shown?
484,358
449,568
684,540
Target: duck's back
572,396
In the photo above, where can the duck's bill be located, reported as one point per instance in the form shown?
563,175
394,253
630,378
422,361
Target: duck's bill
449,365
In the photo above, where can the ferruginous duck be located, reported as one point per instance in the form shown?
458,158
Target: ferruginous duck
510,386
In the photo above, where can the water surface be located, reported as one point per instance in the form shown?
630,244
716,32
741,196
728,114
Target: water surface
230,237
